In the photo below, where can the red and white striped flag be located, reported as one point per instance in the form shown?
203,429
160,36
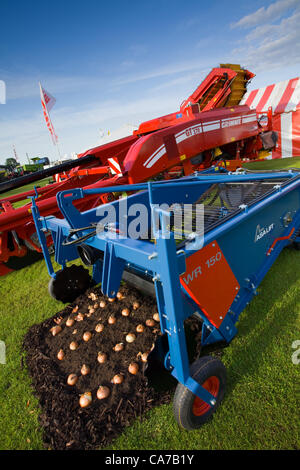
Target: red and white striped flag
48,102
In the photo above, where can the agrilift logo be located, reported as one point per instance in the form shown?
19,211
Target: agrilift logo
261,232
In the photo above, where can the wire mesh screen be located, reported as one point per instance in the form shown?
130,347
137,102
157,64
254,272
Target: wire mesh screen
218,203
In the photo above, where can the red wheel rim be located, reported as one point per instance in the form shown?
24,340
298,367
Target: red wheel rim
212,385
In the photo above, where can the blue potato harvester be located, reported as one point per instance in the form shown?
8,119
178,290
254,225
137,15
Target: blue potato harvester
211,272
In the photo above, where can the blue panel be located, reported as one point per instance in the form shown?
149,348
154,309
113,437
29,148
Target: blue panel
245,246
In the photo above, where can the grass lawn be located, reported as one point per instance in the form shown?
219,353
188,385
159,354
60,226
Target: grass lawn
261,406
24,189
278,164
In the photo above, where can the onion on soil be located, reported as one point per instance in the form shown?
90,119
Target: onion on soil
133,368
130,337
156,317
73,345
85,399
118,379
87,336
55,330
72,379
103,392
99,327
125,312
79,317
101,358
140,328
85,370
70,321
60,355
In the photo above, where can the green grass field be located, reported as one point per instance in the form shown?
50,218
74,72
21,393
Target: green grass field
261,406
28,187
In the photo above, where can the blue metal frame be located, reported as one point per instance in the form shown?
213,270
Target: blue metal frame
248,259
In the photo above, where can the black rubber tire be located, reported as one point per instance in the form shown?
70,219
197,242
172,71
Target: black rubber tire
201,370
69,283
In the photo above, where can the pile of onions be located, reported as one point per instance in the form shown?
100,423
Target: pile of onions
133,368
102,357
130,337
99,328
55,330
87,336
72,379
85,399
118,347
85,370
103,392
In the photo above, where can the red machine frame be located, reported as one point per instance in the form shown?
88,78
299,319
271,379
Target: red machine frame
200,134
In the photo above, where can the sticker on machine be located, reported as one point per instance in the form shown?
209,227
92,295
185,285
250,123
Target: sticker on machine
210,282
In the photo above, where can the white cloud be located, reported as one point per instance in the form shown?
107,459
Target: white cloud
271,46
268,31
263,15
170,69
27,87
190,80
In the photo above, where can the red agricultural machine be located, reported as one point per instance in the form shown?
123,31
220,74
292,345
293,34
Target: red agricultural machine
209,129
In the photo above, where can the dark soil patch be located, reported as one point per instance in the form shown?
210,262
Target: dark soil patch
66,425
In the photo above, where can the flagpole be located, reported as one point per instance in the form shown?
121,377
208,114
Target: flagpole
58,151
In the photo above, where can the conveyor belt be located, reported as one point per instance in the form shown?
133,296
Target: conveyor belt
220,202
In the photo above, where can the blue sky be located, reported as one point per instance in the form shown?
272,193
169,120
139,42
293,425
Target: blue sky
115,63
